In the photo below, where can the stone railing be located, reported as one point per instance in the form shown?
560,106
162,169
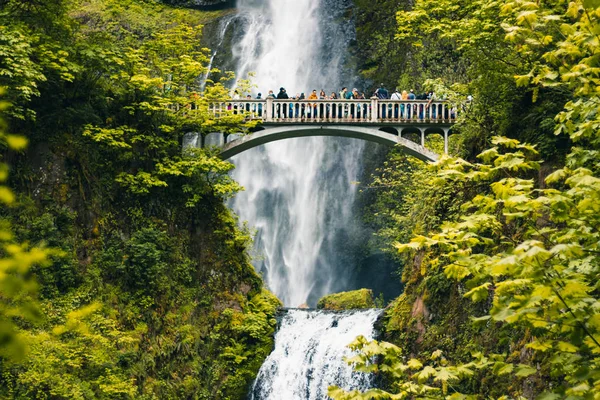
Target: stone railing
340,111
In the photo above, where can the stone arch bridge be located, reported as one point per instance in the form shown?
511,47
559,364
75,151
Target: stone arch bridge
382,121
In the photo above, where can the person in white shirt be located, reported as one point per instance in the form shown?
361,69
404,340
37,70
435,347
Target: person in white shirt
396,96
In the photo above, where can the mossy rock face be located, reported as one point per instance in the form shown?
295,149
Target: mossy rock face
202,4
355,299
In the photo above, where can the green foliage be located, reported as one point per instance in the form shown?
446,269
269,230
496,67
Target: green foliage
523,245
381,58
519,243
355,299
18,289
403,205
430,379
462,45
146,287
17,66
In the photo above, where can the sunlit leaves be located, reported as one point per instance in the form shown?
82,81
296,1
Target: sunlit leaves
141,182
414,377
111,137
17,287
534,251
478,293
457,272
532,247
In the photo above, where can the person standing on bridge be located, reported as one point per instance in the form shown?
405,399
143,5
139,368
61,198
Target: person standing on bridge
333,111
248,97
322,96
282,95
396,96
430,99
382,94
342,96
236,96
354,107
303,107
312,106
412,108
402,106
296,106
271,94
259,97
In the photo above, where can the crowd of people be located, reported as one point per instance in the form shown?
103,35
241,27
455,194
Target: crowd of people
344,94
312,110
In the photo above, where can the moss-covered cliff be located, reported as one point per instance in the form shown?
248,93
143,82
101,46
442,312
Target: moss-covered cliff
147,291
201,4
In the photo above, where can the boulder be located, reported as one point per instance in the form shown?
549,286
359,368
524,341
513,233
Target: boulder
355,299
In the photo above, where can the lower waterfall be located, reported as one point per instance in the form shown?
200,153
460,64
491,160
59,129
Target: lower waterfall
308,355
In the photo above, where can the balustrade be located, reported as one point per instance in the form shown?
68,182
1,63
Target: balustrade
339,111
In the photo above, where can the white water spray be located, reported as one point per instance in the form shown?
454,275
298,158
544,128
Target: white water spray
307,358
299,192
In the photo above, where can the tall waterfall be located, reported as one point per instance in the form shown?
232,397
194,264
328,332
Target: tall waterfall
307,358
299,193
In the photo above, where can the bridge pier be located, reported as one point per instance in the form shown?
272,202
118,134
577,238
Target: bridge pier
192,140
446,130
214,139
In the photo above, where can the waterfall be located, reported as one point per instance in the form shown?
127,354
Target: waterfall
300,196
222,30
299,192
307,358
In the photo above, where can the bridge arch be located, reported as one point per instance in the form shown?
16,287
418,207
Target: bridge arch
373,134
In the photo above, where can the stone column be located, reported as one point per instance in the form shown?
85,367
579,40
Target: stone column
269,110
446,140
191,140
214,139
374,110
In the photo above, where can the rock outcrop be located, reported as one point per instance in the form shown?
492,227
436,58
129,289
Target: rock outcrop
355,299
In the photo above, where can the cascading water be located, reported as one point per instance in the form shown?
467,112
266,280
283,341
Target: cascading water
299,193
222,30
300,196
307,358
